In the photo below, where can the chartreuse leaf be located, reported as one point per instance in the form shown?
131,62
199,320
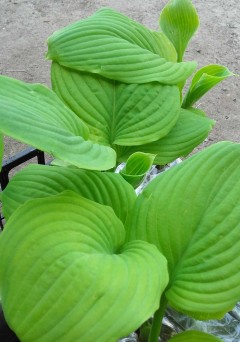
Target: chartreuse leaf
137,165
71,276
194,336
102,187
35,115
205,79
1,150
190,130
118,113
191,213
179,21
114,46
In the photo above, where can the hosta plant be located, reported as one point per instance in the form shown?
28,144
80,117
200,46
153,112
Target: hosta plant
84,259
118,89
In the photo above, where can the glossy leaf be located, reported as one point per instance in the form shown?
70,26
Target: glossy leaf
102,187
205,79
71,276
179,21
194,336
190,130
118,113
191,213
114,46
137,165
35,115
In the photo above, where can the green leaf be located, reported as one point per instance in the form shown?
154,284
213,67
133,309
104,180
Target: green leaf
70,277
42,181
194,336
112,45
117,113
190,130
179,21
35,115
1,150
205,79
137,165
191,213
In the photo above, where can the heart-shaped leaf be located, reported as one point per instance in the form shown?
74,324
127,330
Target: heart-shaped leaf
191,213
179,21
118,113
194,336
190,130
102,187
70,277
112,45
137,165
205,79
35,115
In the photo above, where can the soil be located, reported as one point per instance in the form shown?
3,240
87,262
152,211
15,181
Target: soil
26,24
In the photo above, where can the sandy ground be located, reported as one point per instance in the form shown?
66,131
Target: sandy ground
26,24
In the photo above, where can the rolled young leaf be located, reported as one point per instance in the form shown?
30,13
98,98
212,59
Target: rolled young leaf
194,336
191,213
35,115
71,277
102,187
205,79
190,130
179,21
118,113
137,165
112,45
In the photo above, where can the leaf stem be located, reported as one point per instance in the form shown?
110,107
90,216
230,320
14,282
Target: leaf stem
157,320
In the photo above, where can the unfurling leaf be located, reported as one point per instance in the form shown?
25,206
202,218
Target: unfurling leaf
114,46
36,116
71,277
179,21
137,165
118,113
205,79
194,336
191,213
106,188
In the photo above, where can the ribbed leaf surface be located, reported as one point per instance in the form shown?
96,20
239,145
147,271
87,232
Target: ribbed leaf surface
179,21
205,79
118,113
42,181
191,213
34,115
70,277
194,336
112,45
190,130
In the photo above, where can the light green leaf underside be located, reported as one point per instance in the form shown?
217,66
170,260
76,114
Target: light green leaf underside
205,79
43,181
118,113
190,130
71,278
194,336
112,45
191,213
137,165
1,150
34,115
179,21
